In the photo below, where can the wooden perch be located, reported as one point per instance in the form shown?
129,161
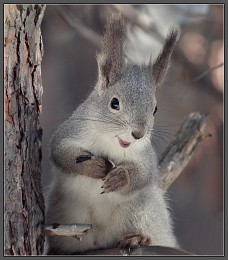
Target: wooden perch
72,230
181,150
146,250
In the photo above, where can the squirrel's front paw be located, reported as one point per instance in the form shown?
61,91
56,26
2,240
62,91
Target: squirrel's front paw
92,166
134,240
115,180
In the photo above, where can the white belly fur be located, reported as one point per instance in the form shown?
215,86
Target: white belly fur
100,210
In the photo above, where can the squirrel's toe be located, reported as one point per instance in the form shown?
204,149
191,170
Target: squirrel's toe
134,241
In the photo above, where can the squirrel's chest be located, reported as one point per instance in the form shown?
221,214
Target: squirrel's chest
85,194
105,212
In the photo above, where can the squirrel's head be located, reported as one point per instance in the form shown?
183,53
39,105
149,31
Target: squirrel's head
128,91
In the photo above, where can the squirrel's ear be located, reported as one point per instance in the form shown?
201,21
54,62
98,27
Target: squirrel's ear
161,65
110,59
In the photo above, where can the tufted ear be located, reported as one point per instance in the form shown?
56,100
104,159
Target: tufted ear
110,59
161,65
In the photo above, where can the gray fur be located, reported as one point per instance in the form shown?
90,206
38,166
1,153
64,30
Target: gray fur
74,196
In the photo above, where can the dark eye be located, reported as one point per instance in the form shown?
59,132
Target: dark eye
155,110
115,104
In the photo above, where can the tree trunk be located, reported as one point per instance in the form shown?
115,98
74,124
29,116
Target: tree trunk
24,203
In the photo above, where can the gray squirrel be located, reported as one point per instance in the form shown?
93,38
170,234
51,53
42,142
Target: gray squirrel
104,166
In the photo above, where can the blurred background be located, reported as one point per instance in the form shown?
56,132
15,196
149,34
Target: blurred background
72,36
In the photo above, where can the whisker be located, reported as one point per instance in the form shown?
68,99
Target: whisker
110,129
157,120
99,120
108,117
166,137
165,129
165,125
155,144
163,132
161,138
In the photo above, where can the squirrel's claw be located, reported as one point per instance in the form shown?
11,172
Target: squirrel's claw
134,241
115,180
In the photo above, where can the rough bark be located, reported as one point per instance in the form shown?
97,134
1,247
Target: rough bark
24,204
181,150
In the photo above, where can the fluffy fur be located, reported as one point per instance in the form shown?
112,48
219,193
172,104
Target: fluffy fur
137,205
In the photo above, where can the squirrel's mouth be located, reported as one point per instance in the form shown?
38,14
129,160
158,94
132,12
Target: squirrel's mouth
123,143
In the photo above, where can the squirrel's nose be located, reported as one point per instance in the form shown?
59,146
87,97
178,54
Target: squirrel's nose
137,134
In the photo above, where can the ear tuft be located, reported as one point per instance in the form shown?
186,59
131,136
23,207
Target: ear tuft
110,59
161,65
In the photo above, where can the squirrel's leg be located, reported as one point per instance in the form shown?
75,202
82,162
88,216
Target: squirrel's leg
134,240
73,159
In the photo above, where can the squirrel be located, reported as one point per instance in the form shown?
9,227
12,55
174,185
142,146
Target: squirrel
104,165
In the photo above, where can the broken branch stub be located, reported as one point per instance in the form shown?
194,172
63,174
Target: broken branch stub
181,150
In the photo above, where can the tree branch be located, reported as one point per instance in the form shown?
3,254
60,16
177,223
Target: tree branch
81,28
146,250
181,150
207,72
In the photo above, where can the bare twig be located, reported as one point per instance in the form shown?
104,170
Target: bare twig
180,58
85,31
181,150
207,72
73,230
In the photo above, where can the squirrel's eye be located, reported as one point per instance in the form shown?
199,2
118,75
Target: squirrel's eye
115,104
155,110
